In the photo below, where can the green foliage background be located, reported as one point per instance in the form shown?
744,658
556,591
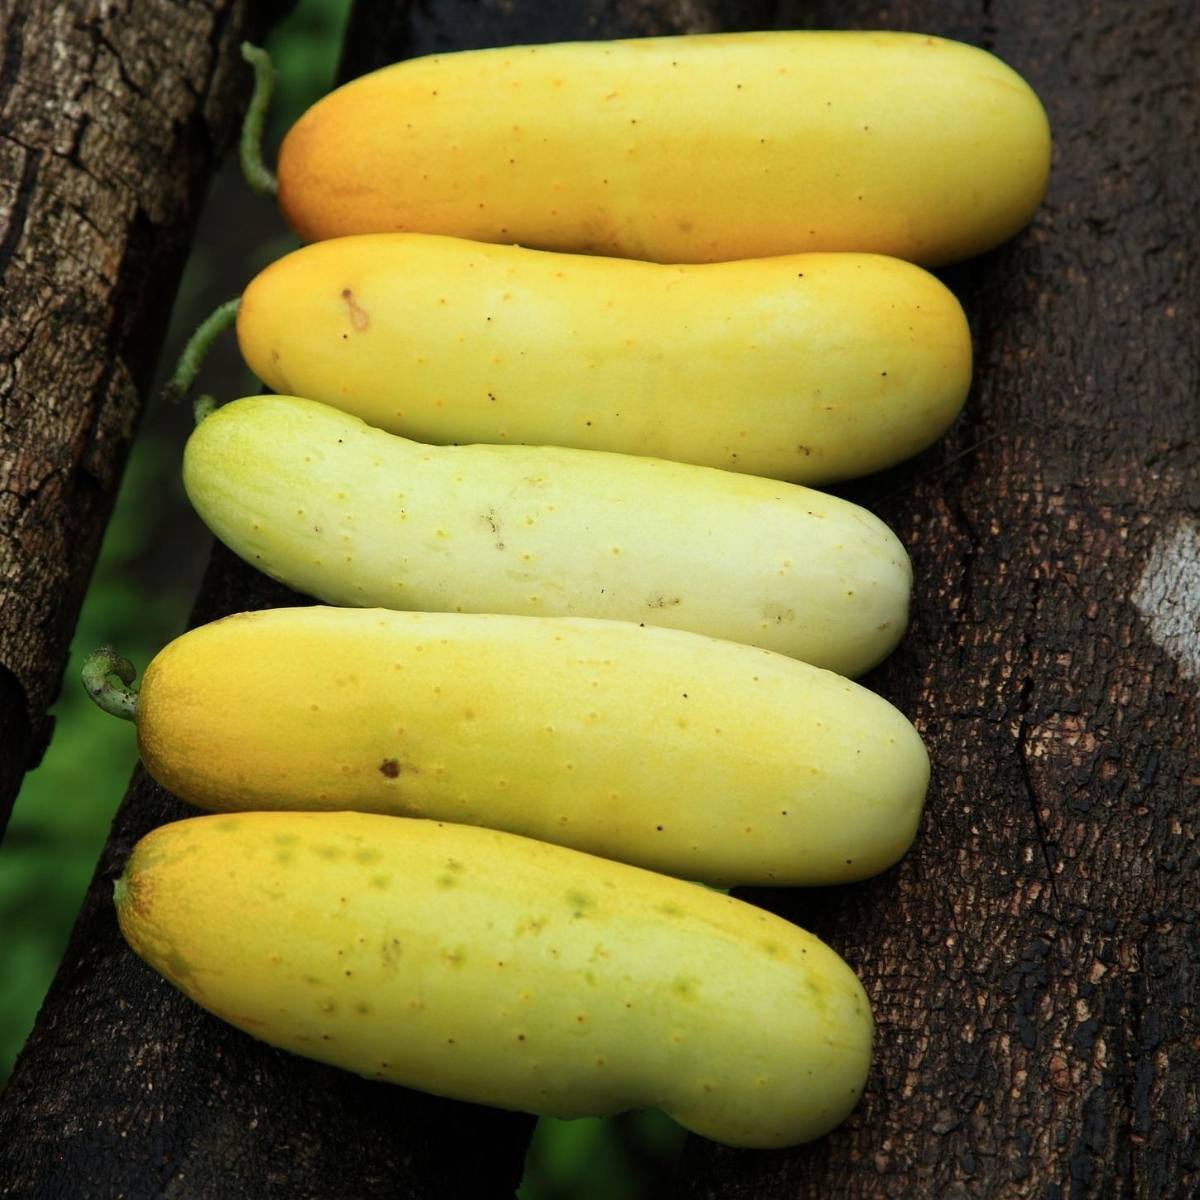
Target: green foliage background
149,568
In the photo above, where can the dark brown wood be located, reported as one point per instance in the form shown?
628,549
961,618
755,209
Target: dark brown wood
1034,963
112,117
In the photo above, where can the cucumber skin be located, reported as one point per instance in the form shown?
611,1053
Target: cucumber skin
807,367
679,753
682,149
487,967
357,517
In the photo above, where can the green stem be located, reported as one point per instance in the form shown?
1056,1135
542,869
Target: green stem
205,405
259,176
197,348
99,668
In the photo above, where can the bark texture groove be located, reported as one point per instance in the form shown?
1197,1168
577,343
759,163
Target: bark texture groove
1034,962
112,117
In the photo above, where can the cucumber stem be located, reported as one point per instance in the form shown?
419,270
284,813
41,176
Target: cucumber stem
204,406
197,348
99,668
258,175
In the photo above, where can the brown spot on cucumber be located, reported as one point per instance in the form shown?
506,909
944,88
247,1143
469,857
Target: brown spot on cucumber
390,768
390,951
493,523
358,317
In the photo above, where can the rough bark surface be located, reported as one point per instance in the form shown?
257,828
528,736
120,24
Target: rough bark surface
112,117
1033,963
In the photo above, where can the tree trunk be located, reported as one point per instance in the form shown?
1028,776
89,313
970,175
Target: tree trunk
112,117
1033,961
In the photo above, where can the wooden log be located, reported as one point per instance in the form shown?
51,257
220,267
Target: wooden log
112,118
1034,962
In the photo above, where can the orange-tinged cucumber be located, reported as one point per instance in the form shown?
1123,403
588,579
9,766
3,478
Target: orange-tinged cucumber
702,758
493,968
808,367
682,149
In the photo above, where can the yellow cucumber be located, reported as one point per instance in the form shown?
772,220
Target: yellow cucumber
357,517
808,367
493,968
682,149
702,758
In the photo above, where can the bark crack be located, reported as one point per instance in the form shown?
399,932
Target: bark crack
1025,707
25,191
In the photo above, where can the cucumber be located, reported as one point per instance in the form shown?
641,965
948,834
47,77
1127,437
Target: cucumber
673,751
808,367
487,967
682,149
354,516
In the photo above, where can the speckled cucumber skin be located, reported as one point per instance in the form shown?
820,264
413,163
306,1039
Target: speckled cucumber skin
357,517
701,758
493,968
682,149
810,368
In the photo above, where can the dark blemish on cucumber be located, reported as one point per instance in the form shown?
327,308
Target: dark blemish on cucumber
664,602
358,318
390,768
493,523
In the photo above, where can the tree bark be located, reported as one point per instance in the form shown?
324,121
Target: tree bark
112,117
1034,961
